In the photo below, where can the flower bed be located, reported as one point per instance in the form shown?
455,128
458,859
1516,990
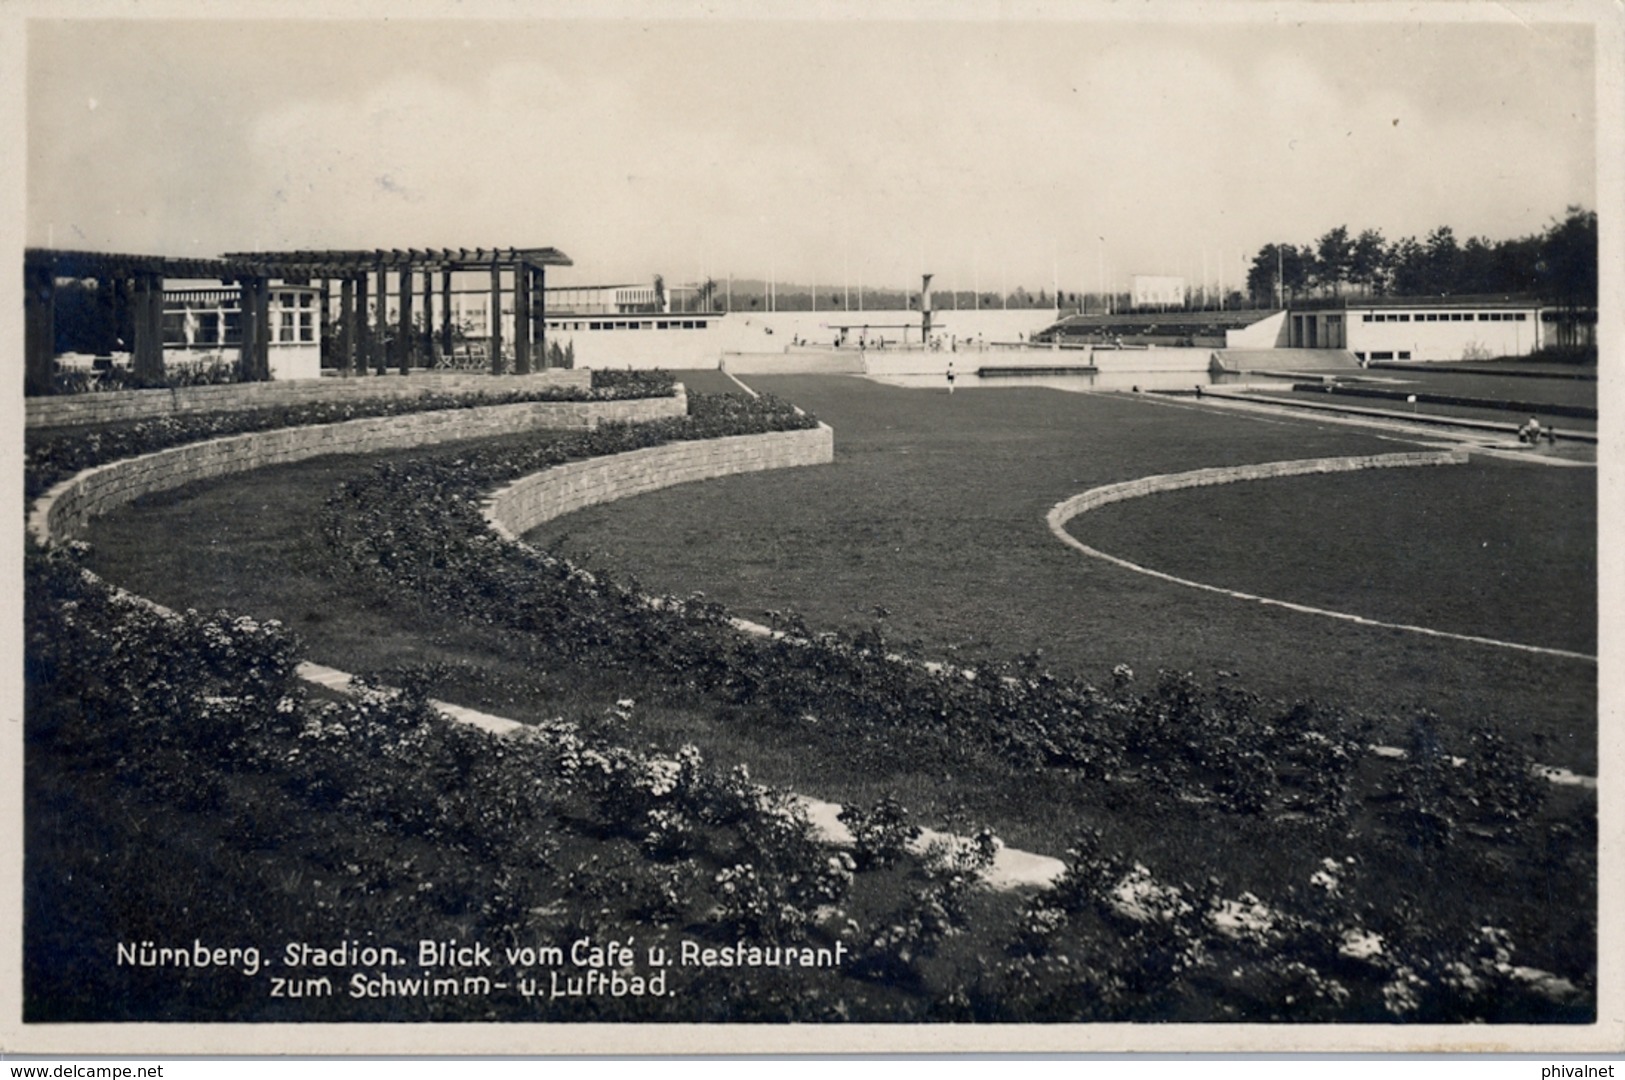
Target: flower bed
127,406
1142,751
288,818
406,823
48,458
377,814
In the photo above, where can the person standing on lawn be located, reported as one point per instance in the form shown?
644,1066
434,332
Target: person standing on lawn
950,378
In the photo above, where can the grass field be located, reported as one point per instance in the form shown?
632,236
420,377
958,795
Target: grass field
934,511
1495,549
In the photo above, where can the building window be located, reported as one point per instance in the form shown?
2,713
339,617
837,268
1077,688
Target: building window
1404,354
1386,355
1365,318
174,328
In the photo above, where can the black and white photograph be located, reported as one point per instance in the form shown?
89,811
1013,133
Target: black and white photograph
956,527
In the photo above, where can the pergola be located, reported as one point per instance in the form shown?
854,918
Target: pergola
360,343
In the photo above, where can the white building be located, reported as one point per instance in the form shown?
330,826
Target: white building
204,325
1422,328
605,300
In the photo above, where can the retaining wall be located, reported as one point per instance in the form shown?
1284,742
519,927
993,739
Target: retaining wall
1150,485
63,512
540,497
127,405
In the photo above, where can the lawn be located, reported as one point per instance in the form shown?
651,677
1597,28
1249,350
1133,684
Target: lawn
1495,549
933,513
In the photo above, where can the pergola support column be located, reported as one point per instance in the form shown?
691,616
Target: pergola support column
496,320
406,345
541,303
445,313
379,361
262,346
521,320
248,344
346,327
323,317
538,309
147,357
363,326
39,329
426,337
255,351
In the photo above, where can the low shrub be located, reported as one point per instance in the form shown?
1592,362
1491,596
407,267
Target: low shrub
526,838
374,811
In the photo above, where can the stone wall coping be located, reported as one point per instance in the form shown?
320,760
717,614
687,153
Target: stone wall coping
100,488
656,467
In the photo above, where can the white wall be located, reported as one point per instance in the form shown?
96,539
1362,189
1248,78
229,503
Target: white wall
1427,341
1267,333
296,361
818,327
761,333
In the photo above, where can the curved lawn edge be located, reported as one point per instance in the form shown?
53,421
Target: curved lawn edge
1063,512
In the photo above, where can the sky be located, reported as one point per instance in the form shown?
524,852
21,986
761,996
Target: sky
991,144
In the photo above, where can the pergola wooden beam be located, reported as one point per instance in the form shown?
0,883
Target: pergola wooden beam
341,263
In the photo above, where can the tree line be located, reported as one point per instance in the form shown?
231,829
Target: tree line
1558,265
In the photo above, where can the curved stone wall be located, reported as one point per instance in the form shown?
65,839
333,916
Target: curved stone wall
62,513
539,497
1068,509
116,406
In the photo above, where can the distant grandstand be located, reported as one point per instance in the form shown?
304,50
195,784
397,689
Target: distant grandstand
1169,329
